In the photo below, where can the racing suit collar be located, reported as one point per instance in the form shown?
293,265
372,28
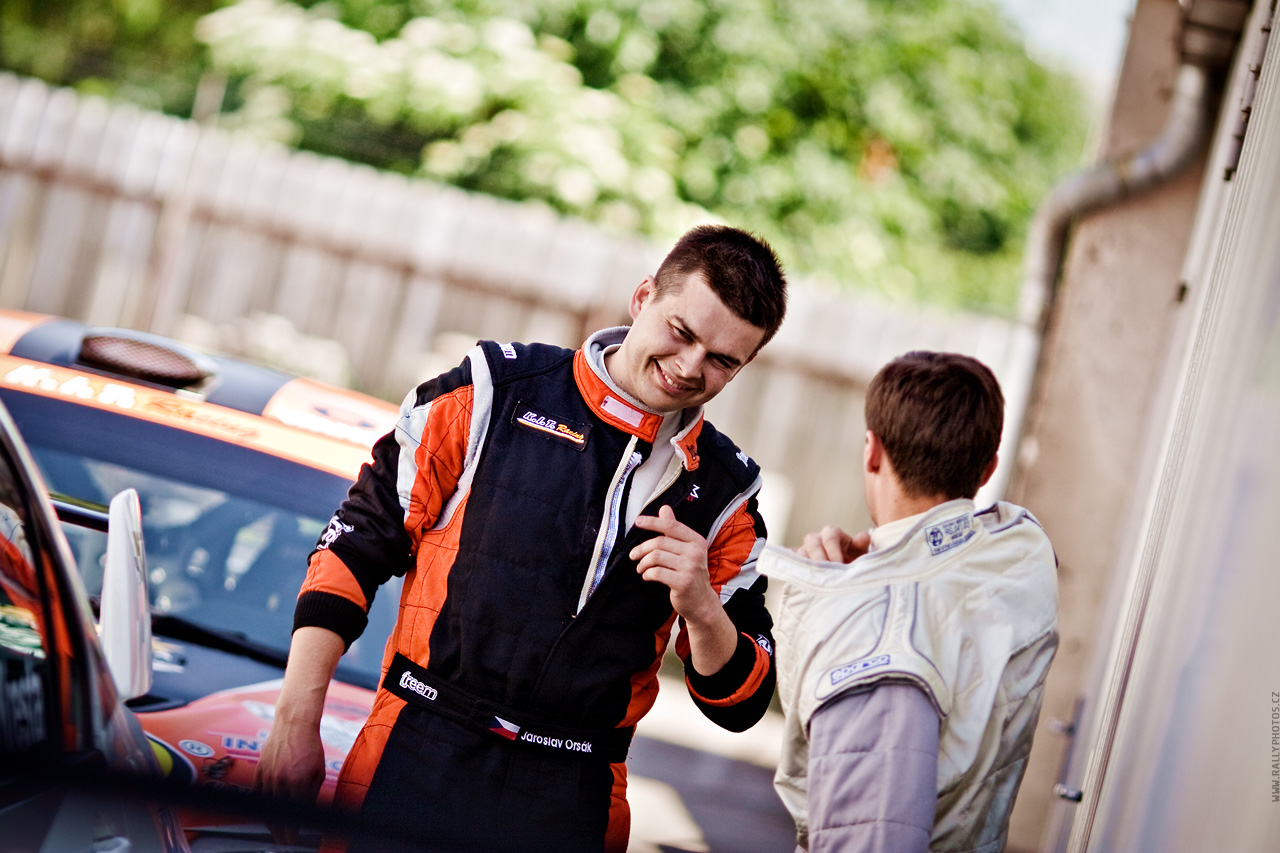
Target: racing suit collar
616,407
892,533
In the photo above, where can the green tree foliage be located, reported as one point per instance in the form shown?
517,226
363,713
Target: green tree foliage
142,51
896,145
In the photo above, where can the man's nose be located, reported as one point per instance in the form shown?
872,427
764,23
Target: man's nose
689,361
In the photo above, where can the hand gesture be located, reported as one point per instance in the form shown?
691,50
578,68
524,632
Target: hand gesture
677,557
833,545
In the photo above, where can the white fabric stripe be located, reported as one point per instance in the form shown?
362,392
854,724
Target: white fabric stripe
615,523
481,412
603,539
413,419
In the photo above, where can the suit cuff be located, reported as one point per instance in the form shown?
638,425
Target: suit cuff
736,680
326,610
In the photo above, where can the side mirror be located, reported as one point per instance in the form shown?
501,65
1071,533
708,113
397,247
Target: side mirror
124,615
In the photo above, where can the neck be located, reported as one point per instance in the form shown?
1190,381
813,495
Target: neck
896,504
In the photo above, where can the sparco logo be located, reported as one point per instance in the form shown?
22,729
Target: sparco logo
408,682
557,743
852,669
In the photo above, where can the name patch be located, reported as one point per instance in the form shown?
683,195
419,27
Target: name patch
949,534
571,433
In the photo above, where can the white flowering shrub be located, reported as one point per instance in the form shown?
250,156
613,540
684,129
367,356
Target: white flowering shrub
900,145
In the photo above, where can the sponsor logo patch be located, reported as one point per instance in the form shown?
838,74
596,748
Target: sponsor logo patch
948,534
408,682
332,532
849,670
570,433
196,748
508,352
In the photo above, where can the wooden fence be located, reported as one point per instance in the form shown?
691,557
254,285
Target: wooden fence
117,216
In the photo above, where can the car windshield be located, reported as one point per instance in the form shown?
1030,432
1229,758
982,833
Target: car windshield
227,529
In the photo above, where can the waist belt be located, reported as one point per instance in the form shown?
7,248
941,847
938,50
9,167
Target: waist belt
415,685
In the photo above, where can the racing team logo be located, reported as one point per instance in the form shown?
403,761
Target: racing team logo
570,433
332,532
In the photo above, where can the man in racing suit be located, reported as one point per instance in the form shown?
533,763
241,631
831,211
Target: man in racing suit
553,513
912,657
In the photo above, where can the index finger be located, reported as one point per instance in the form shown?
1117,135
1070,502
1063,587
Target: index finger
665,523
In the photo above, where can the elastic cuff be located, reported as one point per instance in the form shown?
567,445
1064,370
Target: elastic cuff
731,677
326,610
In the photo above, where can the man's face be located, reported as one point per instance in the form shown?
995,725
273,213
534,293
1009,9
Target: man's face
683,347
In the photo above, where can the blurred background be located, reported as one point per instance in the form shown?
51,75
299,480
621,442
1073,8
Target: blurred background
357,190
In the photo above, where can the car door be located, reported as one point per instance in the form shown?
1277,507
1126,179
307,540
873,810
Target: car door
68,746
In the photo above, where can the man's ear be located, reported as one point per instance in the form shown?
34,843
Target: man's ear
872,454
991,469
644,292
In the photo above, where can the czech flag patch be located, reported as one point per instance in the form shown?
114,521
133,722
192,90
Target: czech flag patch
502,728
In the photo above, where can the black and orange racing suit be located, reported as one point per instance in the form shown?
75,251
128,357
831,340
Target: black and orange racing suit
513,680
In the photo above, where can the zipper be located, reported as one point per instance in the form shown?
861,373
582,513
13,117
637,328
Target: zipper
613,524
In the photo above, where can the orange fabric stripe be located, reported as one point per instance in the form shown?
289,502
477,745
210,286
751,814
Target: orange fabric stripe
644,684
425,591
731,548
327,573
618,834
758,673
361,762
439,458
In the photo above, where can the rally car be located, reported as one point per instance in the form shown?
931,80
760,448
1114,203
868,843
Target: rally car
239,469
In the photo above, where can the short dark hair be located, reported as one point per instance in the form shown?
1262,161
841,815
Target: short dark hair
740,268
938,416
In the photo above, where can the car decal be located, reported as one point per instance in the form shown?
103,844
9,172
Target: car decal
339,457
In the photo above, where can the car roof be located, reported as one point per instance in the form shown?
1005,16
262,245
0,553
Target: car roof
159,379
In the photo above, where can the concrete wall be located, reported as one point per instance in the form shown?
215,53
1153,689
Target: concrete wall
1113,322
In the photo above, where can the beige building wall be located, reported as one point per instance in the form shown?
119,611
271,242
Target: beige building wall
1113,321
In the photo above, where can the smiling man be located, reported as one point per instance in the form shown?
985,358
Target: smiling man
555,514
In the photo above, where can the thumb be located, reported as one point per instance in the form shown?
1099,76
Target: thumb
666,512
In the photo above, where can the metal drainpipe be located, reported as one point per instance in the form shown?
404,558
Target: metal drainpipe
1099,186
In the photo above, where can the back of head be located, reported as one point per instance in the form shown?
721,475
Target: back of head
740,268
939,417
